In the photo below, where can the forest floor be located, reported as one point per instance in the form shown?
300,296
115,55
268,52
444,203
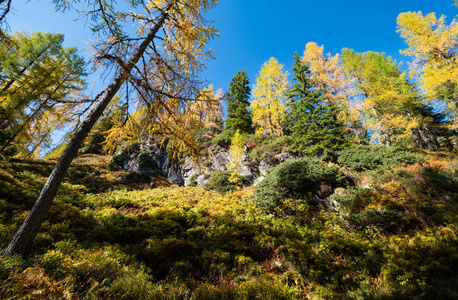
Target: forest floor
109,235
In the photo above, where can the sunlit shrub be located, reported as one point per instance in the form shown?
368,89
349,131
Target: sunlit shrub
34,284
267,288
362,157
224,139
219,181
130,285
303,178
424,266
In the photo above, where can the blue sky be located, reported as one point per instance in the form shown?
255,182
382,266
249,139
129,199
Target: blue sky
252,31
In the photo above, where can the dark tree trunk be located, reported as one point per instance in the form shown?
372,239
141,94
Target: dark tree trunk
22,241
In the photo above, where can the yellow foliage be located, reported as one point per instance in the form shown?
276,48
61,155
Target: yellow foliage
170,100
432,45
328,73
35,284
236,156
267,107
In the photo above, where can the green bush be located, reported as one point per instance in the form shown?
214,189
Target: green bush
303,178
270,148
363,158
219,181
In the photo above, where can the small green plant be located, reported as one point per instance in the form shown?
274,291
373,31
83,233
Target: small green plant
270,147
193,180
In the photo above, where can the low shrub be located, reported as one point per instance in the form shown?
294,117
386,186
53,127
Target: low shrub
303,178
193,181
363,158
424,266
224,139
219,181
269,148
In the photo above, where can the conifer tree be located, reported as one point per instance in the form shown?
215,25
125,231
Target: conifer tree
309,118
238,115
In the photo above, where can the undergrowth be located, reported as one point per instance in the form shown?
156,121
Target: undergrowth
393,237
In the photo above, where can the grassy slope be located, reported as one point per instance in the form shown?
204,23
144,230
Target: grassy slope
109,238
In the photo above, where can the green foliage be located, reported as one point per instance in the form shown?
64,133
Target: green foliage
303,178
269,147
193,181
424,266
403,199
219,181
313,123
39,83
362,157
394,240
238,114
224,139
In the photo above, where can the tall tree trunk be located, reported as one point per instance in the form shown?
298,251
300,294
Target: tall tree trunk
423,137
418,140
23,239
384,133
429,139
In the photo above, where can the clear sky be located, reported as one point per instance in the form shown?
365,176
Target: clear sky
252,31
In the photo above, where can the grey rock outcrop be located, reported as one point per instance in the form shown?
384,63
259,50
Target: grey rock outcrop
147,158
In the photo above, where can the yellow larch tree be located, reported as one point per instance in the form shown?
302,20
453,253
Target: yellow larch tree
268,105
433,45
200,117
328,75
160,60
386,97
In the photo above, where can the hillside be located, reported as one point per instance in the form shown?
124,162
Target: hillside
391,233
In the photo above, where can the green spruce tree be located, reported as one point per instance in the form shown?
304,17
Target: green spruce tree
238,115
313,124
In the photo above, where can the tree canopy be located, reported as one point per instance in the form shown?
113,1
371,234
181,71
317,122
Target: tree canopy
268,103
311,120
238,114
40,86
